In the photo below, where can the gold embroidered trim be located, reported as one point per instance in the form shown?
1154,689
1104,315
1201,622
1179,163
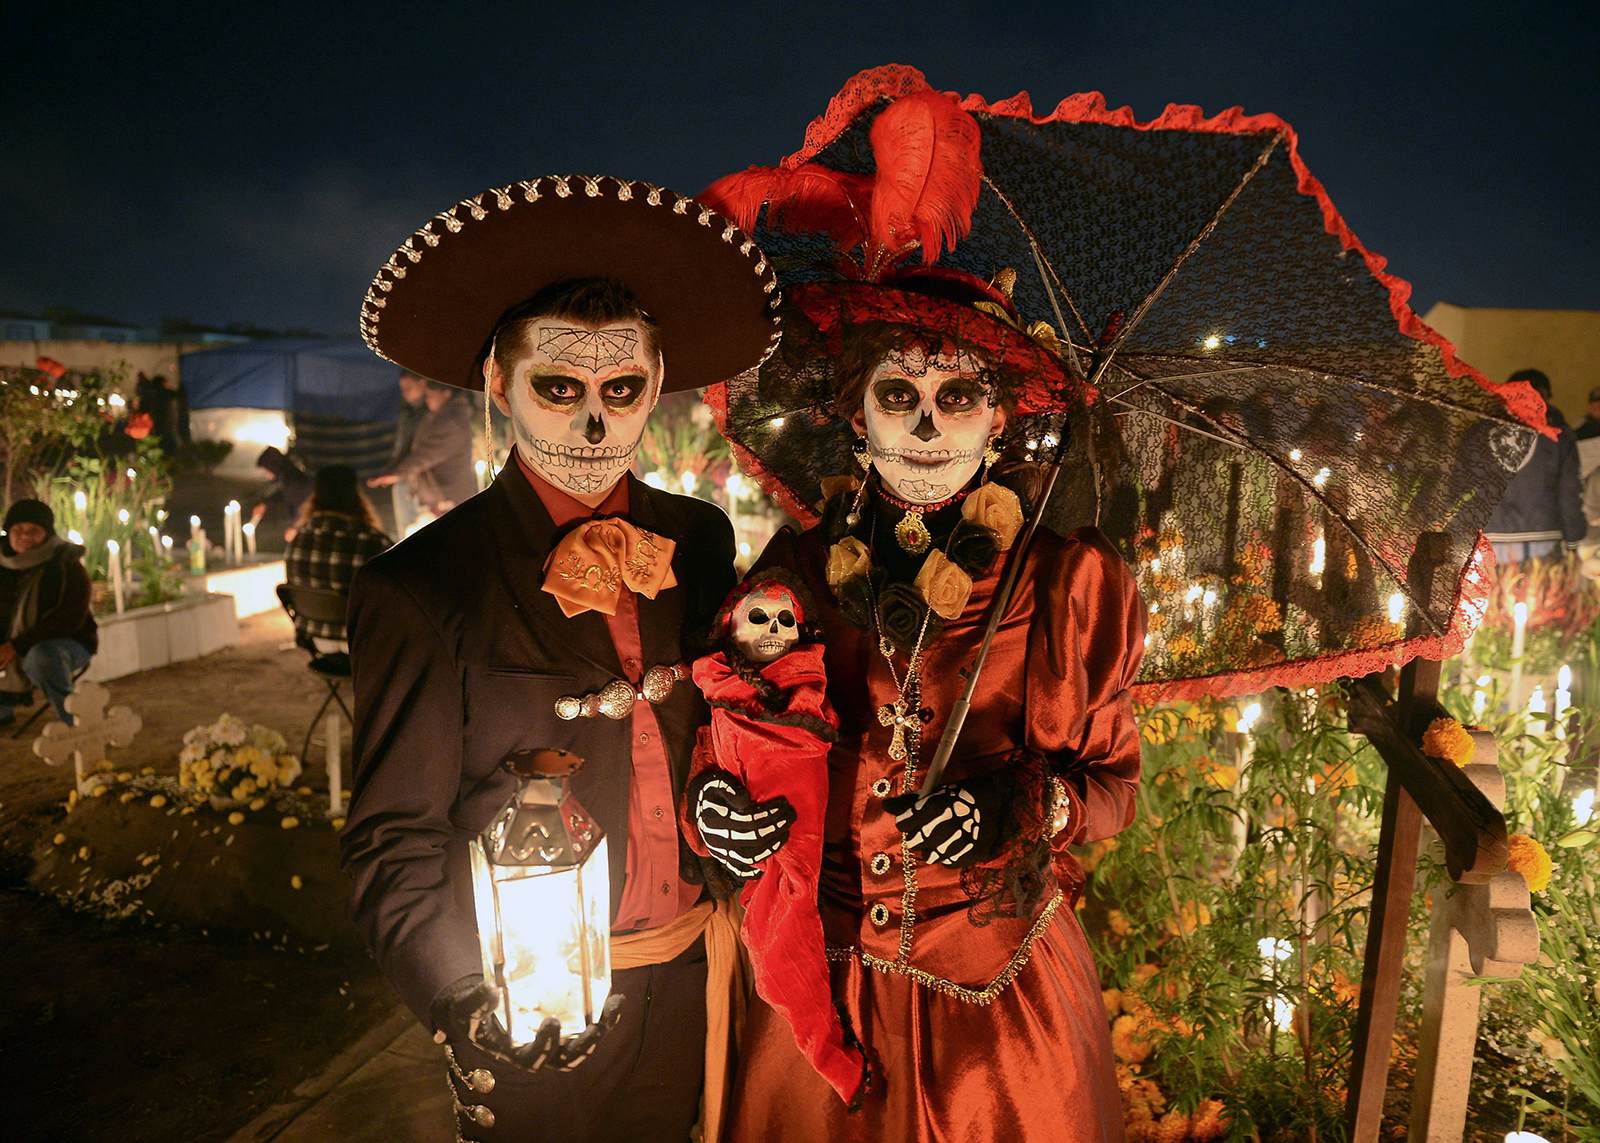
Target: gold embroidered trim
454,219
881,787
879,914
984,995
880,863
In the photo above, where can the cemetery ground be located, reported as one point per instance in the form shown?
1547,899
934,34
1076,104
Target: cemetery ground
160,1026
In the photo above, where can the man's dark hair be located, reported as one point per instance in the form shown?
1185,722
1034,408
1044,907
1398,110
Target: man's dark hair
1534,377
592,301
338,489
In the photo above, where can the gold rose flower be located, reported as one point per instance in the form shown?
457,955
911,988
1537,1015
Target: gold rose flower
836,485
944,586
997,508
849,557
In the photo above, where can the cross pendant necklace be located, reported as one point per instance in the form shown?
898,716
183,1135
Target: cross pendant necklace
894,714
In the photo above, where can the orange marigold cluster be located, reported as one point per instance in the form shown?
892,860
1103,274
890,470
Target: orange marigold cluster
1447,739
1526,856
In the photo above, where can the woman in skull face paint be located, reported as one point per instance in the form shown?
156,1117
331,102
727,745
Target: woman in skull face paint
948,919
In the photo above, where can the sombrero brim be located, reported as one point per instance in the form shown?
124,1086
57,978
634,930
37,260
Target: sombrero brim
434,304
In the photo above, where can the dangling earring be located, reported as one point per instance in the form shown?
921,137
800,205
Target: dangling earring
858,448
863,455
991,453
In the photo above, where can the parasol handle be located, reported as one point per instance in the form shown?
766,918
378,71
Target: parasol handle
1002,603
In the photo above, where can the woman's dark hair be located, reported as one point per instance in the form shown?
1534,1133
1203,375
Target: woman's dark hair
338,490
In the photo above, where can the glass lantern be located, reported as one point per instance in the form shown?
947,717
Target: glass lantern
541,889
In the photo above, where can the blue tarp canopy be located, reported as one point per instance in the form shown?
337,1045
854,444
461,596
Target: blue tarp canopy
329,378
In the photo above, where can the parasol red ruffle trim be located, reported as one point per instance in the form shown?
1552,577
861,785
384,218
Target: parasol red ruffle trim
894,80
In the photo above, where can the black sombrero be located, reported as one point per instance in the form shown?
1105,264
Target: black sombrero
434,304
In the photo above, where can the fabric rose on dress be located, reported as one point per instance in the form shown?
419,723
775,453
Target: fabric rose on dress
856,600
832,486
997,508
901,614
849,557
972,548
944,586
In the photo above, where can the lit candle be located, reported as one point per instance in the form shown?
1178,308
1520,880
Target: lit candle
481,468
1563,699
249,530
155,542
1536,703
80,501
1480,699
197,547
1519,644
232,545
114,572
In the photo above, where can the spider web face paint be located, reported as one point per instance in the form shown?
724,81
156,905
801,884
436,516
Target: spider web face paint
590,348
579,401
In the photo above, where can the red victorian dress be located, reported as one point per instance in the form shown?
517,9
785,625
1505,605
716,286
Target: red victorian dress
972,989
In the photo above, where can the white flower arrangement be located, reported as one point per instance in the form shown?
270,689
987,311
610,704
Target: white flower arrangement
230,759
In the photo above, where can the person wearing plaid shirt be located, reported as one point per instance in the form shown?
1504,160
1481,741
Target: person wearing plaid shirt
337,533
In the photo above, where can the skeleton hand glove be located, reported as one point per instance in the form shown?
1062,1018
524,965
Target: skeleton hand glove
739,832
463,1012
959,824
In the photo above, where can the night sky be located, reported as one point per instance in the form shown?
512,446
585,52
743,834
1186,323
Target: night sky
256,163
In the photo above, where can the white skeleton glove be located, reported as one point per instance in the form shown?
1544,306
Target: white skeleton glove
739,832
958,824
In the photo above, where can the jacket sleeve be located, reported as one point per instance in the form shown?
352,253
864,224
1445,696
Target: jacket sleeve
436,442
1569,489
408,754
1085,646
67,617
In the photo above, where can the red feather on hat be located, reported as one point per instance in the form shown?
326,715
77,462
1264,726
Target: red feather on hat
926,150
807,198
922,194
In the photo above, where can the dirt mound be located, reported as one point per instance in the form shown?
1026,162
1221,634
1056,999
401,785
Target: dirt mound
146,850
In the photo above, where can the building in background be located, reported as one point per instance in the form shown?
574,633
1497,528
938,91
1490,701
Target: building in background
1565,344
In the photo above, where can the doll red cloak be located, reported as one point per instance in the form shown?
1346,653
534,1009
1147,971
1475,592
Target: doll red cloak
784,753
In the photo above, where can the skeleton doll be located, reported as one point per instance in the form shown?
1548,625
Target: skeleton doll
757,796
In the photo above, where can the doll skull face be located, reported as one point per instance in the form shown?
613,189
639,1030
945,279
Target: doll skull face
765,625
578,401
928,417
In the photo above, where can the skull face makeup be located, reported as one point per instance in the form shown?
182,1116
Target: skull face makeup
927,420
766,624
578,400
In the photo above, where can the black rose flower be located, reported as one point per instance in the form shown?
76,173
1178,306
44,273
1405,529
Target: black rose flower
901,614
972,548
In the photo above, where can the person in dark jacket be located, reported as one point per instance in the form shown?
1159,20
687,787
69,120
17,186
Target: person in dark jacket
1590,425
291,486
1542,510
413,407
438,463
44,610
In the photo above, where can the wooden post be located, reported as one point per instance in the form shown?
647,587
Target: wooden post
1398,839
1484,929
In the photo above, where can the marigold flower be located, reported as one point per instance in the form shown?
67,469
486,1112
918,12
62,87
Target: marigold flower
236,818
1173,1127
1111,999
1180,646
289,822
1127,1042
1117,921
337,823
295,882
59,839
1526,856
1208,1122
1448,740
257,803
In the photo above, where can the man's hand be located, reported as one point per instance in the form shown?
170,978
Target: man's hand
257,512
739,832
465,1012
958,824
8,655
382,480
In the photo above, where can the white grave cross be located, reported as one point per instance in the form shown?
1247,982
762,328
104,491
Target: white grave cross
1478,930
86,742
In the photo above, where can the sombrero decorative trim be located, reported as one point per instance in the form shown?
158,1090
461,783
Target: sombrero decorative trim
434,303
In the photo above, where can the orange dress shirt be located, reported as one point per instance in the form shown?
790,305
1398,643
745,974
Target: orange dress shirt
653,892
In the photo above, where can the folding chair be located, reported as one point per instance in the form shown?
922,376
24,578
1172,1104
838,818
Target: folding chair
44,705
330,658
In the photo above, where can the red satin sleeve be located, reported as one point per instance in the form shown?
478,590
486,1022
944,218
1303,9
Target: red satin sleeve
1085,644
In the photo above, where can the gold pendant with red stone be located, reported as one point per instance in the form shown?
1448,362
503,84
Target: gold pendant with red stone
912,534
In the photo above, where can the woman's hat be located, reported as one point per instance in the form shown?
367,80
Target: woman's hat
31,512
434,305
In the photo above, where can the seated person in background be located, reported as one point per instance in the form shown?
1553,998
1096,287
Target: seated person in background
336,533
286,495
44,610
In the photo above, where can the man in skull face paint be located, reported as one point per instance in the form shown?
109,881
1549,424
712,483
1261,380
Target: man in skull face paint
574,303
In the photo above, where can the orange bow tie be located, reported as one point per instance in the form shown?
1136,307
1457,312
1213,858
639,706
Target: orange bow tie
597,559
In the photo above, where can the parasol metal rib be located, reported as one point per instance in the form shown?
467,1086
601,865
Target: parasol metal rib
1194,244
1043,265
1132,408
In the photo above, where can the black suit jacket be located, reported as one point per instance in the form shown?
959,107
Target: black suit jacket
458,659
